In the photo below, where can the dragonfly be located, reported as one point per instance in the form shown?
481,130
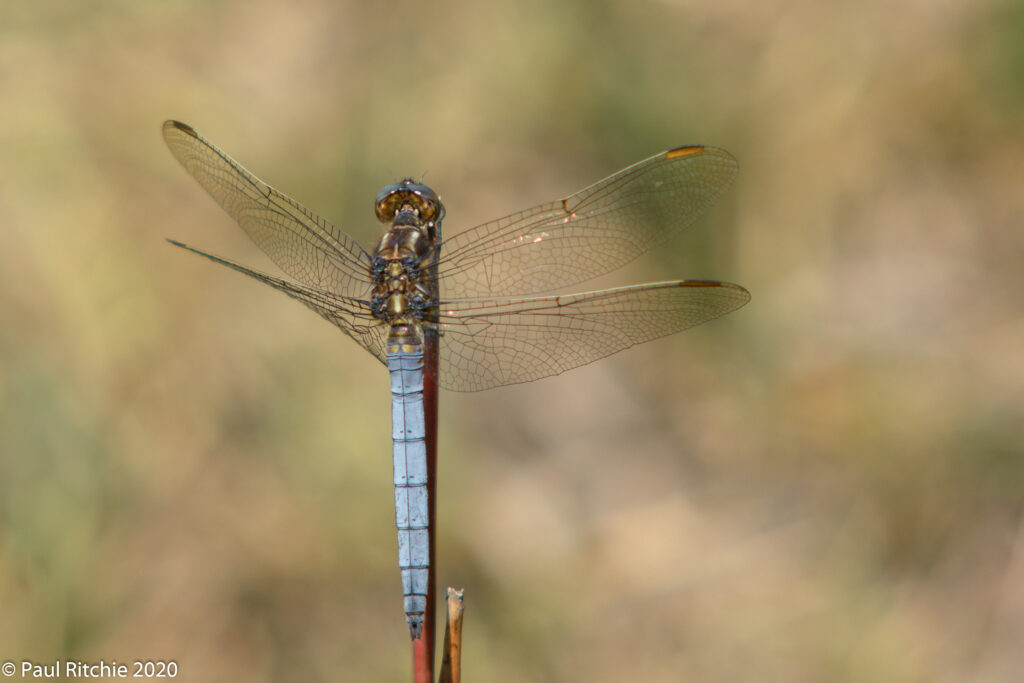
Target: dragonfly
486,294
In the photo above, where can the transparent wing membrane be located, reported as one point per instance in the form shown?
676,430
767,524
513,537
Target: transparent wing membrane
492,334
301,243
491,343
587,234
352,316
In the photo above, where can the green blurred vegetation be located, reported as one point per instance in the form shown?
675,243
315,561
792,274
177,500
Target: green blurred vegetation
825,486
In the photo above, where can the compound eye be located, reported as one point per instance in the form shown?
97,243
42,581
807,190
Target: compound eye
428,207
421,198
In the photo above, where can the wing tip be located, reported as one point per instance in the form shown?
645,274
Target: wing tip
183,127
738,289
685,151
698,150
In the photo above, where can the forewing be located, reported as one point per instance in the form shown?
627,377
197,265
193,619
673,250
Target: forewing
301,243
587,234
490,343
352,316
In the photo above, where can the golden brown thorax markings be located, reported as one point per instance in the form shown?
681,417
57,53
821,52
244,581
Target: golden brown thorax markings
401,290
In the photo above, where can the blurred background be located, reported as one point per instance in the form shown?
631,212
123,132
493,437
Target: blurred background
824,486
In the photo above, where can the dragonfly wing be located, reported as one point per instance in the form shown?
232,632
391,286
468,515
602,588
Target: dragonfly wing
590,233
492,342
352,316
301,243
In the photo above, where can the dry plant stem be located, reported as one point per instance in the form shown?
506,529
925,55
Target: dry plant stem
423,647
451,660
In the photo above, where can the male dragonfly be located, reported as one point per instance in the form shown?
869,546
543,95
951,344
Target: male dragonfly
471,289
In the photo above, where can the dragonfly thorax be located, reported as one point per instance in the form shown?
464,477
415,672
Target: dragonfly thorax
401,292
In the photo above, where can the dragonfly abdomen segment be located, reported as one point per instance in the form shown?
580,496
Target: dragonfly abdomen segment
405,363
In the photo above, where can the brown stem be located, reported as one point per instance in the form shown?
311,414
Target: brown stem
451,660
423,647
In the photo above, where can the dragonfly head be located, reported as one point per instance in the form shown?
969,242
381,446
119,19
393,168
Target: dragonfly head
419,201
